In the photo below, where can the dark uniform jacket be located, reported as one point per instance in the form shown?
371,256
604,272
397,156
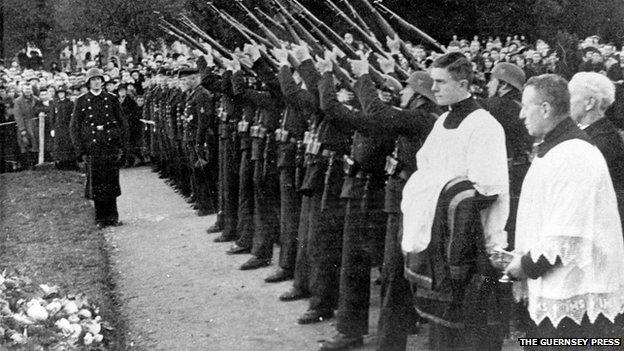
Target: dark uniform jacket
410,127
99,131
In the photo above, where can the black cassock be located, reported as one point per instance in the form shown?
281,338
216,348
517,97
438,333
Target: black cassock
99,132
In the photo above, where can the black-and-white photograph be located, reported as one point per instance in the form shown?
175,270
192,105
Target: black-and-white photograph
311,175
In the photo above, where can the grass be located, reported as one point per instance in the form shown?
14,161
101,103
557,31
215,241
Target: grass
47,232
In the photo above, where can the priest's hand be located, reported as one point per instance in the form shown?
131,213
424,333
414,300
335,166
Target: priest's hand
514,269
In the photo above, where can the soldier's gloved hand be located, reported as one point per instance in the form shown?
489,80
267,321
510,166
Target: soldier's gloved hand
394,44
344,95
252,51
235,64
324,66
281,55
301,52
386,64
336,50
359,67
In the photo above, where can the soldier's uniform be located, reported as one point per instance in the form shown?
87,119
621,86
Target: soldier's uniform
98,131
365,220
322,211
293,124
229,158
506,110
200,128
263,160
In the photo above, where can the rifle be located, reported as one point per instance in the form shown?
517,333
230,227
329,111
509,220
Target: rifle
273,39
308,38
390,32
239,26
374,45
292,36
213,43
366,36
408,26
336,39
357,17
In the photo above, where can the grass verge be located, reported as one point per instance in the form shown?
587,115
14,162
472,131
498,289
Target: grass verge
48,234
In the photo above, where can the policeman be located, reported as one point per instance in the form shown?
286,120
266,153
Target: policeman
99,134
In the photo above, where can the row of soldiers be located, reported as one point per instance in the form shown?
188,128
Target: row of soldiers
307,161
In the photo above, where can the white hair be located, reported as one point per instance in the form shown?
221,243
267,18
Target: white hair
596,85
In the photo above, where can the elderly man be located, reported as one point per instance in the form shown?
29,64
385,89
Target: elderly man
568,231
591,94
99,134
466,147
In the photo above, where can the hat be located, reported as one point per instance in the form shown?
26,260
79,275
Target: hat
421,82
509,73
94,72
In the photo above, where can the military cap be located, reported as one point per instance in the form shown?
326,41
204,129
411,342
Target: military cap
509,73
92,73
421,82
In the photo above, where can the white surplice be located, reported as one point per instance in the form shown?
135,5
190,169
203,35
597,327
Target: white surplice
475,150
568,209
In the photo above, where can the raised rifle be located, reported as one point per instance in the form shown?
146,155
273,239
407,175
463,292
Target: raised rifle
357,17
213,43
390,32
408,26
239,26
292,36
307,36
371,41
333,36
273,39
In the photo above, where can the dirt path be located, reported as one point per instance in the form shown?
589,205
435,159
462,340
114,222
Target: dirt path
181,292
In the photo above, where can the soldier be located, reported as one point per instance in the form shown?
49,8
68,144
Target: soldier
267,108
199,112
98,133
293,124
364,217
322,216
504,90
229,113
